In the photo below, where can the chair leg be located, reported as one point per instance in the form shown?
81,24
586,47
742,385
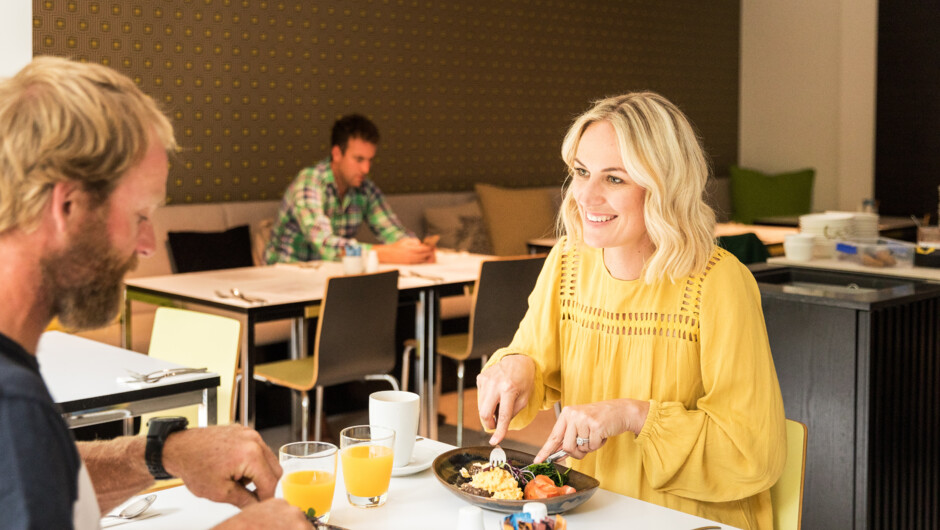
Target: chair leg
318,415
304,415
406,364
460,404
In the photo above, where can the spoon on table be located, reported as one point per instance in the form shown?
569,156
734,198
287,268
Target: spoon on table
238,294
135,509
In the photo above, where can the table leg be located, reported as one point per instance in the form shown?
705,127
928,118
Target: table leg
209,410
419,354
126,327
298,350
429,346
248,359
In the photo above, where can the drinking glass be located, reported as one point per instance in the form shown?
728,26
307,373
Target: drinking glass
367,452
309,477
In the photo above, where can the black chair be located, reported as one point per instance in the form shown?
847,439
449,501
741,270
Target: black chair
500,300
355,340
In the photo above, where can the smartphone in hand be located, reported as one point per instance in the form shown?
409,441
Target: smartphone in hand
431,241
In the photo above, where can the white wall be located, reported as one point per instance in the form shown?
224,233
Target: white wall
16,35
808,93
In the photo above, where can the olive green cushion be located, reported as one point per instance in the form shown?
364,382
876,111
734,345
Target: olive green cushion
755,194
516,215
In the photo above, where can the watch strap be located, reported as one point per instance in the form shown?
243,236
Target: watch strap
160,429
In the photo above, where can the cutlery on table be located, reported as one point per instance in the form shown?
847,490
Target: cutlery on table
153,377
413,274
134,509
234,292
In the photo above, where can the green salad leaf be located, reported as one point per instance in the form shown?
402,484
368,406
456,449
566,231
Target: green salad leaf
549,470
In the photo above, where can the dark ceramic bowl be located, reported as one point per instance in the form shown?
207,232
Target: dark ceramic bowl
447,470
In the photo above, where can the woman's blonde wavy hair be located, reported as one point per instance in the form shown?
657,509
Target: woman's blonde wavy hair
662,154
62,120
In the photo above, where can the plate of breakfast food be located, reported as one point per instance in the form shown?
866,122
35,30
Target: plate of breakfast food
466,473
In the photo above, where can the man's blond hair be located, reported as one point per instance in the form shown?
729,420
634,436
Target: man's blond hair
662,154
63,120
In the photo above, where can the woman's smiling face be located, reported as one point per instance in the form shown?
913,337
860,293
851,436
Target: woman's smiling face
610,202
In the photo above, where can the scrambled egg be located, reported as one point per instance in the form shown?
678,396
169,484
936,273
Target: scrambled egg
499,482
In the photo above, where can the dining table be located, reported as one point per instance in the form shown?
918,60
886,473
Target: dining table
415,502
293,291
91,383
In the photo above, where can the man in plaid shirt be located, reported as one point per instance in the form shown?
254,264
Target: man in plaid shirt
325,205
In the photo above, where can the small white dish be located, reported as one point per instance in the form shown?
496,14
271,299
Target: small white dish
421,458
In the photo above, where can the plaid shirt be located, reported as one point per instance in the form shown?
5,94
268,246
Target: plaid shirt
313,223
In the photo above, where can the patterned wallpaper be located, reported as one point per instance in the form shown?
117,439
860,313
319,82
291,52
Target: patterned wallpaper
463,91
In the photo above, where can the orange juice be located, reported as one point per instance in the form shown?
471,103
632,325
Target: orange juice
367,469
310,489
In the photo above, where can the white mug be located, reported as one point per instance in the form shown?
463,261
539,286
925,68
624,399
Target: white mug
397,410
353,265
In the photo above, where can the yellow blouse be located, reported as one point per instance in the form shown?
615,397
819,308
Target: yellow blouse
715,438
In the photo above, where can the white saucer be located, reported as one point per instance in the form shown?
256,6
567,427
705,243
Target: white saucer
421,458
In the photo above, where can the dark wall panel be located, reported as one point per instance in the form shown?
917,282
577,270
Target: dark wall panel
463,91
907,140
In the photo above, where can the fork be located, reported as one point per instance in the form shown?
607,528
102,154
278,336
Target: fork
236,293
153,377
413,274
497,457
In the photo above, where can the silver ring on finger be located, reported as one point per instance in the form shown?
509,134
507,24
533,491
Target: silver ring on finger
582,441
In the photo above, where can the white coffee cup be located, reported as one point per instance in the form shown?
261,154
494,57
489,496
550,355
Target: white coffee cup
353,265
799,247
397,410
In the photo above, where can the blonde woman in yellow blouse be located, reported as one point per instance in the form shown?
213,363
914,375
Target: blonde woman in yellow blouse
650,336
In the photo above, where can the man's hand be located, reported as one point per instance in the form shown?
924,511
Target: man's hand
272,513
504,387
405,251
218,462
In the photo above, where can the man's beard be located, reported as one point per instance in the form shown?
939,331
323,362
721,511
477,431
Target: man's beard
85,280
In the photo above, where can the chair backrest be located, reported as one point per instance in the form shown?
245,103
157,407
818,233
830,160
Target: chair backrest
747,247
787,494
198,339
500,300
356,328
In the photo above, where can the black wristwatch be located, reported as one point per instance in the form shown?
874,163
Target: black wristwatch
159,429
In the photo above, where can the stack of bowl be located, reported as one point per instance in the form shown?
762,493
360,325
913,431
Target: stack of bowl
827,227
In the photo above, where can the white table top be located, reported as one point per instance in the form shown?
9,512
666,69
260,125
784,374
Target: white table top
285,283
922,273
78,370
419,501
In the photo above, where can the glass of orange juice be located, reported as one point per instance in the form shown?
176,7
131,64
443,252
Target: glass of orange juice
309,477
367,451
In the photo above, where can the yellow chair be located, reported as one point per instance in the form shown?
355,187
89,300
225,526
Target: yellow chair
355,340
500,300
197,339
787,494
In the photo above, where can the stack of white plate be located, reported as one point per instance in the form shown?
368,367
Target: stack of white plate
827,227
864,224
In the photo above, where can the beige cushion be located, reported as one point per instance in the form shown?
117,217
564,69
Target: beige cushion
260,235
461,227
513,216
